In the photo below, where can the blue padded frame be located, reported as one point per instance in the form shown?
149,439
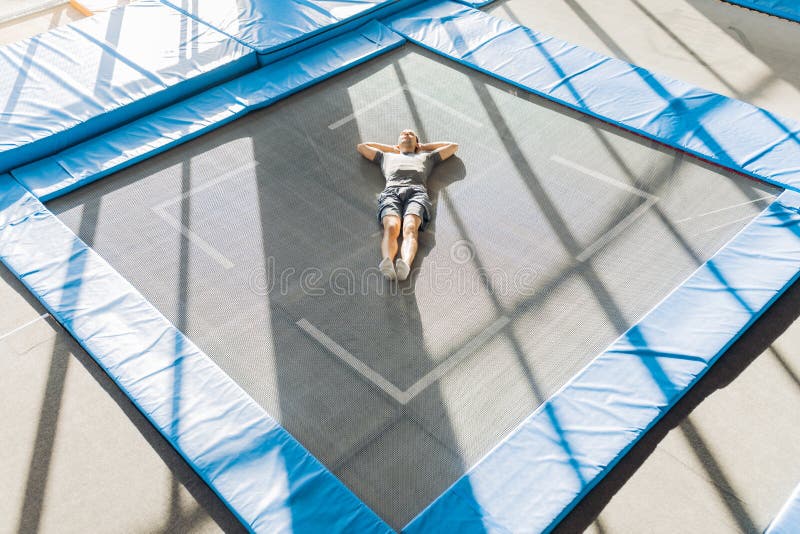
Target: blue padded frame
539,472
788,519
787,9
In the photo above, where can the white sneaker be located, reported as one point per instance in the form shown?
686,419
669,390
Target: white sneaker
402,269
387,269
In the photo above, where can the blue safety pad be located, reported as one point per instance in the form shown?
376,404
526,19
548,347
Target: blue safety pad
788,9
788,519
270,482
722,130
531,480
77,81
278,28
89,161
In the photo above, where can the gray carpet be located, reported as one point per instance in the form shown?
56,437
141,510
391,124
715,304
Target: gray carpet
552,235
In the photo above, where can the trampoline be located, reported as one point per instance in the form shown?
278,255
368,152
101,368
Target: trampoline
553,235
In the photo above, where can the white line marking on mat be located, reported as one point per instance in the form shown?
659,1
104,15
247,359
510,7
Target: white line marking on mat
442,105
393,94
749,217
199,242
602,177
768,197
403,397
17,329
618,228
360,367
443,368
611,234
207,185
348,118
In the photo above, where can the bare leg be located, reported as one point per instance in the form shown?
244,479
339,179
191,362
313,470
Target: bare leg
411,225
391,231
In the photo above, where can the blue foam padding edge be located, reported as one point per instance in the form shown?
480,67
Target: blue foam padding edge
788,519
269,481
89,161
713,127
42,71
531,480
787,9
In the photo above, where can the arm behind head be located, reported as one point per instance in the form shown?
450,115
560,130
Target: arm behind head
444,149
370,150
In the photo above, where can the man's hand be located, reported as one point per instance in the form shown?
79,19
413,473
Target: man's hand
368,150
445,149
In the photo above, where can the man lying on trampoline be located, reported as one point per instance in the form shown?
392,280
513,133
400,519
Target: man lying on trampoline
404,202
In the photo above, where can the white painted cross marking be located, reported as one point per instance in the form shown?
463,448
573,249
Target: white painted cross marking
199,242
611,234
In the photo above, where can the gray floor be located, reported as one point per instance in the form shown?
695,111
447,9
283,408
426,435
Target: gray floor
552,235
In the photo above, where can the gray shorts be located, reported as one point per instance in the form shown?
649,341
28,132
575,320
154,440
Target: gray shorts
402,200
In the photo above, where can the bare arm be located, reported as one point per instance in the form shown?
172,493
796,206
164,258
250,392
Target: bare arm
445,149
368,150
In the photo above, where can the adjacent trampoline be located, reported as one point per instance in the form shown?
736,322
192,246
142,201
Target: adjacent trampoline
553,235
